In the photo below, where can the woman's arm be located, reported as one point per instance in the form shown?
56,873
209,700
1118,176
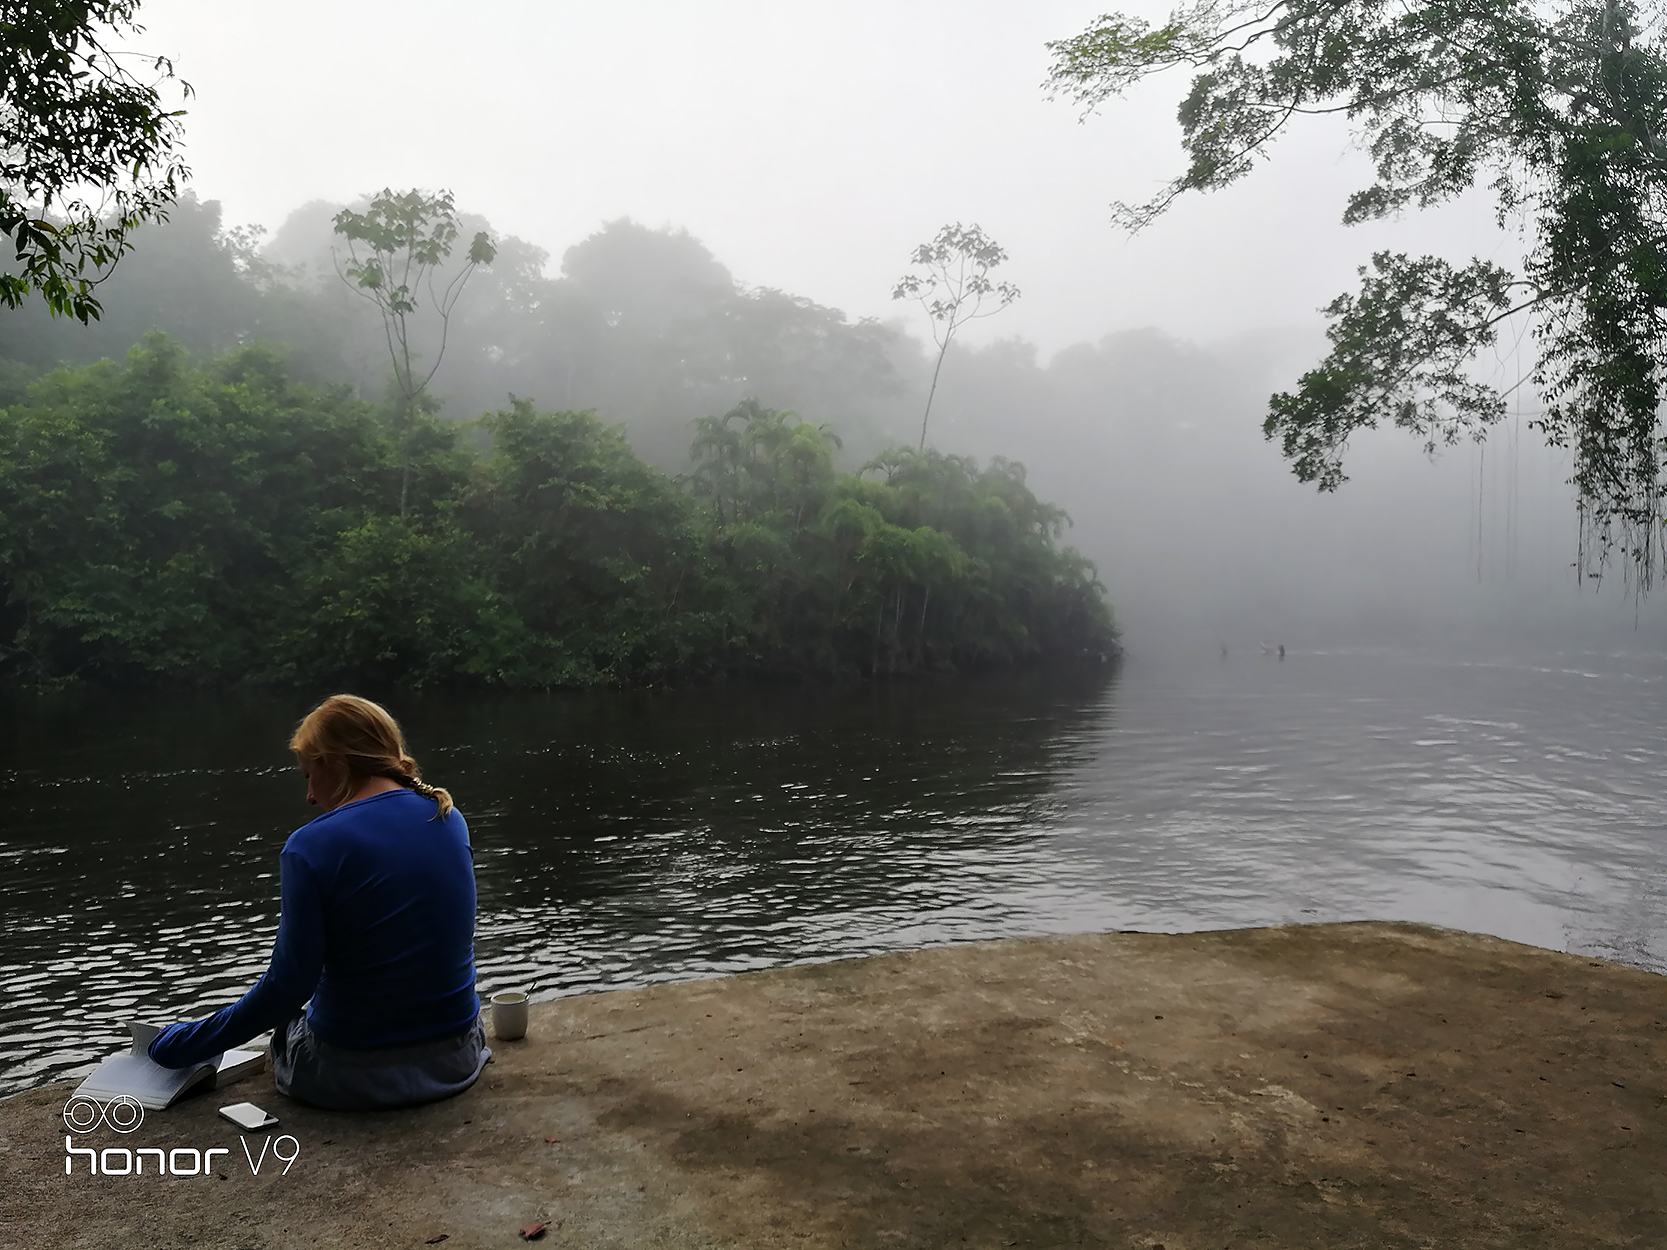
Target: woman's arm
289,981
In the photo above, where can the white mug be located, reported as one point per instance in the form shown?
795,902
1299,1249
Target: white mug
509,1015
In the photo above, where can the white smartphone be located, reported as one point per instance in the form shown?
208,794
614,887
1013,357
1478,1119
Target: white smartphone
248,1116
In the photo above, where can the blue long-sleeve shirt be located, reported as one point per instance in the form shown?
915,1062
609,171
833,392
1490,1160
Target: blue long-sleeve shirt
376,927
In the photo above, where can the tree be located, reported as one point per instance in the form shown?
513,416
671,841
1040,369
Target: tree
1559,110
594,549
396,248
644,279
86,148
205,284
953,287
152,516
165,522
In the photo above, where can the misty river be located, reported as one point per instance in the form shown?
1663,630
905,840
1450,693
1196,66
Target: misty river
625,838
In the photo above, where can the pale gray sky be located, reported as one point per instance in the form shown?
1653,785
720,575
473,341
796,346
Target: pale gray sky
811,146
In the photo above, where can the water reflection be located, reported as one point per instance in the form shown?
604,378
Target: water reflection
634,837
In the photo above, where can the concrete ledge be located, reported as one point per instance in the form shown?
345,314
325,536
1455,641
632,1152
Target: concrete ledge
1328,1086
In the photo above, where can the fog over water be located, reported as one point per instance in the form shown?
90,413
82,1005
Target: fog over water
1206,539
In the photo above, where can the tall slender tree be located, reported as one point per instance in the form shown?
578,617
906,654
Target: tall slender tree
395,250
951,281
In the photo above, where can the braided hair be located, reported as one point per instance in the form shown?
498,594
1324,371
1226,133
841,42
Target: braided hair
364,736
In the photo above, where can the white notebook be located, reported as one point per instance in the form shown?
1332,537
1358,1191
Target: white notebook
154,1087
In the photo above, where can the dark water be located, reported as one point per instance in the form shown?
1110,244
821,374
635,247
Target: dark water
629,838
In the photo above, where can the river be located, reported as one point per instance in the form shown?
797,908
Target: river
624,838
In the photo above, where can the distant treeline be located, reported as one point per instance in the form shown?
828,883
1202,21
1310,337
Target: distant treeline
643,326
161,521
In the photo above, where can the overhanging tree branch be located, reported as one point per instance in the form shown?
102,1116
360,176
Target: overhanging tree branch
1563,110
87,148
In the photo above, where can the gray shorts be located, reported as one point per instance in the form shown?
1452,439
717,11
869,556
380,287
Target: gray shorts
309,1068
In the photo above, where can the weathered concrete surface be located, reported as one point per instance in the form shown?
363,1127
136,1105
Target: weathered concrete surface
1327,1086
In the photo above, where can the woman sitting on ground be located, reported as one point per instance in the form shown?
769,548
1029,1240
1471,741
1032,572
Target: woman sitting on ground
376,929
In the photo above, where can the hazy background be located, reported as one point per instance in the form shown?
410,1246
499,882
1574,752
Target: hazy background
809,146
807,149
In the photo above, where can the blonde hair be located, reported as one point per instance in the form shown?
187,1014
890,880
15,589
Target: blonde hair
367,739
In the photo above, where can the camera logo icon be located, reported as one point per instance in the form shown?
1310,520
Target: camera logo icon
123,1113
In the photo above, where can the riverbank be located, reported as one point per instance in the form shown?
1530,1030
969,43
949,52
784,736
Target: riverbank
1368,1085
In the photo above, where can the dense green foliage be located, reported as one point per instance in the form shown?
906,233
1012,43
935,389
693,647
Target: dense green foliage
1560,110
164,522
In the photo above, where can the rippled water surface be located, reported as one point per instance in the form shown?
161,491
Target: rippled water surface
628,838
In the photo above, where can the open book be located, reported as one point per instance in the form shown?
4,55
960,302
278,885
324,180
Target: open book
136,1074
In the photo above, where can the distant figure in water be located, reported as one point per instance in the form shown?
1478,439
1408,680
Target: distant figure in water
1223,650
1282,651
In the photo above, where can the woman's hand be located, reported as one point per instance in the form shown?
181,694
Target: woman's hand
168,1039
